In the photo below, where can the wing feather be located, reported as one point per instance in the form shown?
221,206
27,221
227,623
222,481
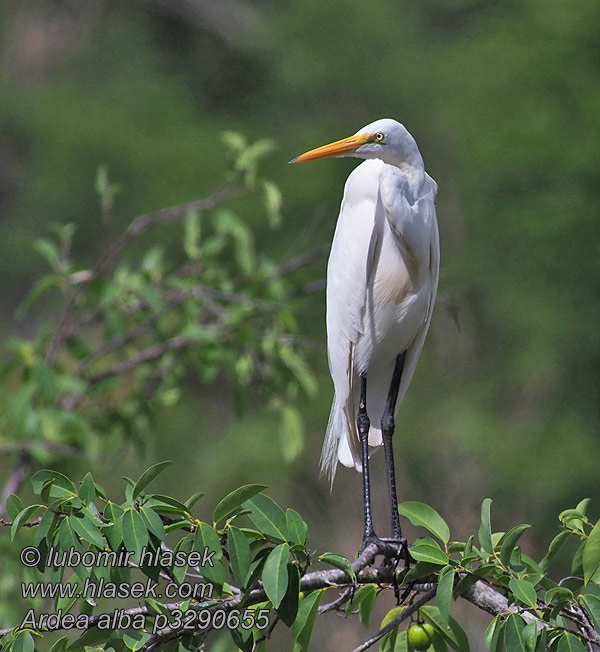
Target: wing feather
353,251
414,350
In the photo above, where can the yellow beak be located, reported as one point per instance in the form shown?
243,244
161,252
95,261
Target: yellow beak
342,147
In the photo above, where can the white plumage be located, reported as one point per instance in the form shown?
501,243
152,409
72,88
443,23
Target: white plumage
382,279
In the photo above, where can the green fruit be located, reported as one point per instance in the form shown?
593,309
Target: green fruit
418,638
429,629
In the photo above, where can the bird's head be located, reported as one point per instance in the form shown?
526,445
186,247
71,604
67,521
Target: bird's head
384,139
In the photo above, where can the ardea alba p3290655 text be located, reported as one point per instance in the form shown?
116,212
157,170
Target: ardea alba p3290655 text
382,280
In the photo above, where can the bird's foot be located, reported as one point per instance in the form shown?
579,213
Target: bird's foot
394,550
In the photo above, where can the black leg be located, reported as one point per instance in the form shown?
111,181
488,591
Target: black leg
363,424
387,432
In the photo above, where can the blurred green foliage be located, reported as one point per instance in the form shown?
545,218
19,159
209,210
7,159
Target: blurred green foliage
503,99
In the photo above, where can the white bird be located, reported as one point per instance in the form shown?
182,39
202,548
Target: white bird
382,280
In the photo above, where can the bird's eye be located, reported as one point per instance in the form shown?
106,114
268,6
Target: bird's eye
379,136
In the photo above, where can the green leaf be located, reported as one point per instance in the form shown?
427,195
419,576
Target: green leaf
523,591
239,555
23,642
430,554
359,596
401,643
510,540
67,537
234,499
272,196
254,152
485,530
388,642
275,575
570,643
530,635
191,236
46,528
443,592
558,594
147,476
48,282
47,250
193,499
54,480
205,538
300,368
366,605
135,639
491,631
60,645
23,516
153,522
425,516
577,560
338,561
497,636
13,506
227,222
268,517
541,645
114,533
305,621
582,506
555,545
160,503
87,489
394,612
292,433
296,527
234,141
591,604
156,607
244,640
513,635
135,533
419,570
288,609
85,527
591,554
573,519
452,631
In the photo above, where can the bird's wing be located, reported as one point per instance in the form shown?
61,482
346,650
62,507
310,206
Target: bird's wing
352,253
414,350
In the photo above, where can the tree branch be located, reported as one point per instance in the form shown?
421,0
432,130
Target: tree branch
134,230
480,594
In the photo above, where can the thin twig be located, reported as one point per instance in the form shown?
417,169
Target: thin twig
70,401
33,523
342,598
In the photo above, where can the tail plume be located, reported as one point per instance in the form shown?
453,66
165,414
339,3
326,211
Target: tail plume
329,454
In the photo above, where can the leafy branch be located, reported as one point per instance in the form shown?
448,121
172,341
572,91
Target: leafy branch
116,353
256,561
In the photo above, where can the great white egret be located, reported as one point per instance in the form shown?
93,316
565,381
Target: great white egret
382,280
